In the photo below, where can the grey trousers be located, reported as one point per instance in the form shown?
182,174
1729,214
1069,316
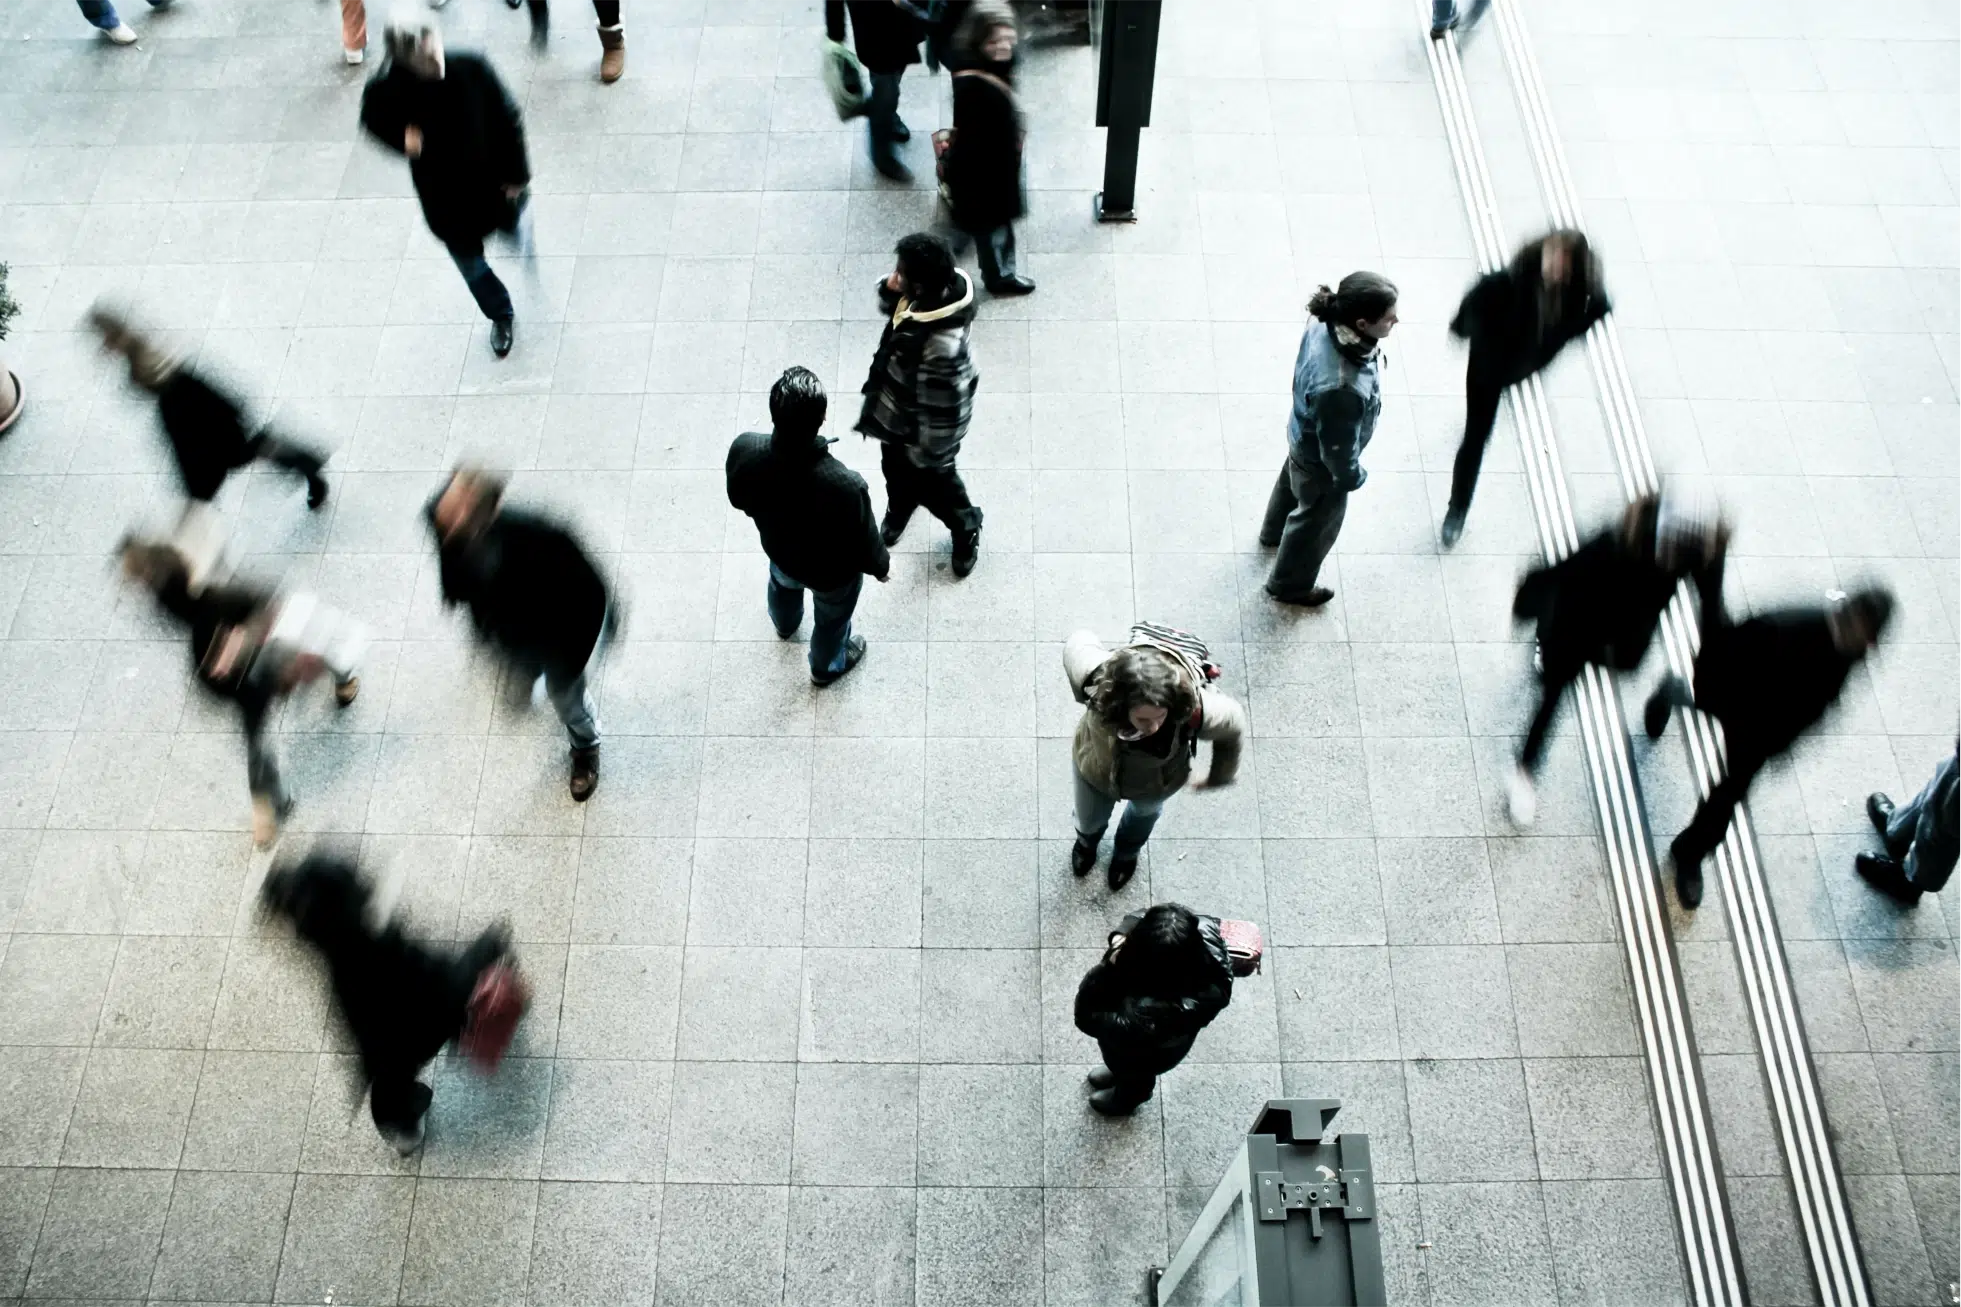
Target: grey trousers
1303,517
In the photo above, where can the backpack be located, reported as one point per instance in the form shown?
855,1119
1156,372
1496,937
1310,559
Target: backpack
1182,645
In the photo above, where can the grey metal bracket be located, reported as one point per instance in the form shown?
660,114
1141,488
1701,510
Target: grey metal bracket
1349,1193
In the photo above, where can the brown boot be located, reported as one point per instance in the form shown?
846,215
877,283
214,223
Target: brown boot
613,62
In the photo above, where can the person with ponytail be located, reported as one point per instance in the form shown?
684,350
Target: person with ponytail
1337,398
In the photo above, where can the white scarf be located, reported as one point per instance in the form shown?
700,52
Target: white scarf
1354,342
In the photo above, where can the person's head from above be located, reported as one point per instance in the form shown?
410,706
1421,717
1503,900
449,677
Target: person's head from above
924,272
1563,255
988,32
415,41
151,563
797,405
468,503
1165,953
1858,619
1138,690
1364,303
149,364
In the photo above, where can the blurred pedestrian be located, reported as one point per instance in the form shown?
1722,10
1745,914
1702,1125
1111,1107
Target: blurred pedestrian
1444,17
402,1000
886,34
1517,319
1337,397
252,647
1146,1001
1767,680
816,521
983,169
1145,708
1601,604
612,34
1921,839
464,140
353,30
103,14
533,595
919,395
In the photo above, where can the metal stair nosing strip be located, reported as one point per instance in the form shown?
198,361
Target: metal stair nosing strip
1825,1218
1694,1174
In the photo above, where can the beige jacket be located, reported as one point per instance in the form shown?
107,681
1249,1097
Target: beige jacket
1098,753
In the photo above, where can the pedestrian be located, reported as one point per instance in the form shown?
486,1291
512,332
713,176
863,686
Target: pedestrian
1146,1001
1601,604
402,1001
533,595
1337,397
816,521
1517,319
1767,680
353,30
919,394
253,648
1145,708
982,169
1444,17
1921,839
103,14
886,34
612,34
464,139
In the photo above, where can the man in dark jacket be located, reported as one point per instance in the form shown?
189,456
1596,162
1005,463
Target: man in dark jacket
1165,976
402,1001
815,516
464,140
1517,319
206,427
1922,839
533,594
919,395
1601,604
886,35
1767,680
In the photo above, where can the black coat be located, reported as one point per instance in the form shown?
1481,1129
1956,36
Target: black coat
983,166
1511,336
885,35
814,513
1600,604
1151,1033
472,143
1769,679
531,590
214,609
207,432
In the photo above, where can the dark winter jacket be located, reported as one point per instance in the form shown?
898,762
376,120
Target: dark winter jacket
1150,1032
207,613
1337,399
919,393
531,590
472,143
886,35
1513,330
814,513
983,165
1600,604
207,432
1770,678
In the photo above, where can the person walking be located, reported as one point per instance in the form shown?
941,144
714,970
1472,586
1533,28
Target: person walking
460,129
402,1001
1767,680
1145,708
1337,398
886,34
1445,18
816,521
533,594
612,34
983,168
1517,319
1601,604
103,14
1146,1001
919,394
1921,839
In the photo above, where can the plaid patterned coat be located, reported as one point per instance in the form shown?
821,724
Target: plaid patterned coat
920,391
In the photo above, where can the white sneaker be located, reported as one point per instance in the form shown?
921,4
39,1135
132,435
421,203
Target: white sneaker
1521,798
354,56
121,34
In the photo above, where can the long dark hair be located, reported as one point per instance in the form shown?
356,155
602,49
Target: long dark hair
1166,955
1361,297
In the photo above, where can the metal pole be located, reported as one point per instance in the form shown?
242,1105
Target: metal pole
1117,201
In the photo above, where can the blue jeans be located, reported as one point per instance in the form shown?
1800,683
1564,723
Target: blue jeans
103,12
1926,829
1093,809
485,288
830,617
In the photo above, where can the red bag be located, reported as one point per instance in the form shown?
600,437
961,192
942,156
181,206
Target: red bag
496,1005
1244,945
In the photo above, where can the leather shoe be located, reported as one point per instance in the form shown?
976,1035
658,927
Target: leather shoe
966,552
1016,285
1888,877
1105,1103
500,337
1879,811
1314,598
1688,876
854,653
900,132
893,169
1121,870
585,773
1101,1078
1453,528
1082,857
890,530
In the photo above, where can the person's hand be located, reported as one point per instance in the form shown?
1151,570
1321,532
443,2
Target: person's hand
884,576
514,190
893,284
412,141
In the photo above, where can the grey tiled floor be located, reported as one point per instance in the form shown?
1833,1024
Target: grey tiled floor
806,961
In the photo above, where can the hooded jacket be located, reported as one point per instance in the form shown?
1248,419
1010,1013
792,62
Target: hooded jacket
919,393
1337,398
1127,769
1515,328
813,513
530,588
1153,1032
472,143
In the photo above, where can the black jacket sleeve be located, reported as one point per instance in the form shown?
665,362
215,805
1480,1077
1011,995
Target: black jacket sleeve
1476,313
877,559
1338,415
834,20
382,112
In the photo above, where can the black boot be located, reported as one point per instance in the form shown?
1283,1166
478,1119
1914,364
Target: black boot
316,491
1082,857
1101,1078
1688,875
966,551
1888,877
1121,870
1106,1103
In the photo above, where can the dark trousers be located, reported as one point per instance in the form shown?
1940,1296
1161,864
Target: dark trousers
1922,833
997,253
882,115
939,490
297,459
485,288
1481,398
1136,1071
1552,687
1303,517
830,621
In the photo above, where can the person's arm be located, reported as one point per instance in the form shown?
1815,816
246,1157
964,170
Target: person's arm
877,558
1474,311
1081,655
1338,416
1103,1011
1223,722
382,116
834,20
944,392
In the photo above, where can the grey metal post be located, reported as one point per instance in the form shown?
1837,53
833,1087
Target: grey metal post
1125,33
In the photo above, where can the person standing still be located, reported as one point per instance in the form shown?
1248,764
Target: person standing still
886,35
816,521
464,140
1921,839
919,395
1146,1001
983,162
1337,397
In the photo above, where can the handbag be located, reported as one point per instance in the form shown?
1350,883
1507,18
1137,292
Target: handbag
497,1002
845,79
1245,946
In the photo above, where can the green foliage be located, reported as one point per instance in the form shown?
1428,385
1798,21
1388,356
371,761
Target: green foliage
9,307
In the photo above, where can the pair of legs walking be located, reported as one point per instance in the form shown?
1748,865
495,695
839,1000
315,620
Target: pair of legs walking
1093,809
1128,1076
1920,838
103,14
489,292
1303,519
940,491
830,632
884,126
1481,399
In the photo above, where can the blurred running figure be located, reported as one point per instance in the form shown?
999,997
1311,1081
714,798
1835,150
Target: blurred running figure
1921,839
1767,680
1601,604
1517,319
533,594
1337,397
886,34
464,140
1444,17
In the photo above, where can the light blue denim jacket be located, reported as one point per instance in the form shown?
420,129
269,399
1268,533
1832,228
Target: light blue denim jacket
1336,401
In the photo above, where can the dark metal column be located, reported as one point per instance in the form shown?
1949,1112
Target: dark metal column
1125,33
